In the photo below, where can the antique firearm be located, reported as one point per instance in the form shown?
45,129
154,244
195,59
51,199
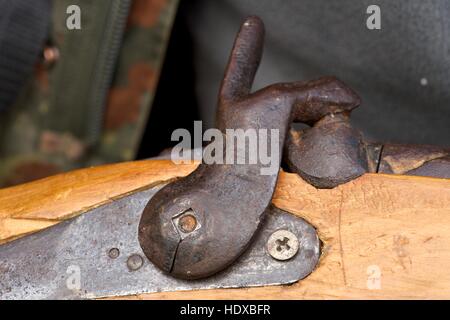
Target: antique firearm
351,218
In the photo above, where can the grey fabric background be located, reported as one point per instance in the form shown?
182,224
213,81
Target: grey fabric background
306,39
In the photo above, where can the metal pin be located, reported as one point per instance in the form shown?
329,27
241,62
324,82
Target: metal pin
114,253
135,262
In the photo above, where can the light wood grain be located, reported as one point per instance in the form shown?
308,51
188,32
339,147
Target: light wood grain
33,206
398,224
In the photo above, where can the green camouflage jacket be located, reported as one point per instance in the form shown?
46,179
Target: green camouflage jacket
91,106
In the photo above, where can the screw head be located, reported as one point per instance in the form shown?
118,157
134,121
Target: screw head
114,253
187,223
282,245
135,262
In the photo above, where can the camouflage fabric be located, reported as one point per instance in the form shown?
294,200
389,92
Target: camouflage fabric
70,115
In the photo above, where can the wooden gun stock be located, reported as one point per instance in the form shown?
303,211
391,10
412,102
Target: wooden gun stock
384,236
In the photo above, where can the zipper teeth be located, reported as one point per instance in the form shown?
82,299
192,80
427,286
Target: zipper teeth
108,54
23,29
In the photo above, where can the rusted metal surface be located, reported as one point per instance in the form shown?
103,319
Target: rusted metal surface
407,159
331,152
229,201
98,255
328,154
439,168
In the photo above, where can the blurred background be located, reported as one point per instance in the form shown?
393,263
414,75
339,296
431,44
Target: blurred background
116,89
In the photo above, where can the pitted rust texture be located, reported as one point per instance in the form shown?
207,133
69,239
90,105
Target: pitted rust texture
331,152
229,201
328,154
404,159
439,168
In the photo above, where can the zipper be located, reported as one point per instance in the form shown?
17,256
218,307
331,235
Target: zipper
103,74
82,78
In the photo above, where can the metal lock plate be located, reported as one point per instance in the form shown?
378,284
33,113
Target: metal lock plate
98,255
